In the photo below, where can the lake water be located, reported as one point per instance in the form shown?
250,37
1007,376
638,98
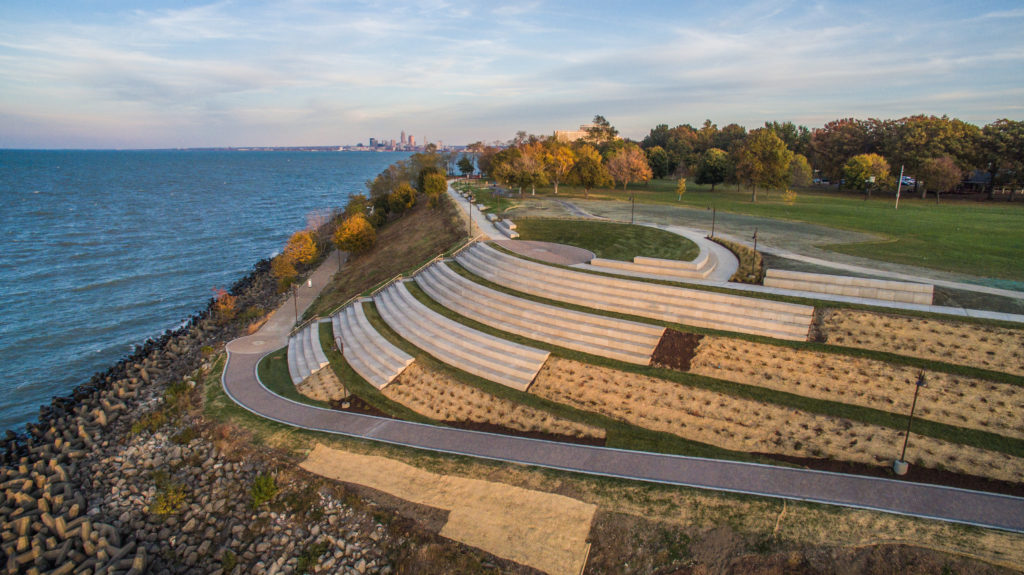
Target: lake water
104,249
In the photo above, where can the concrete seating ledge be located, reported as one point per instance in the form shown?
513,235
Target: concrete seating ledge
669,269
508,228
305,356
665,303
373,357
472,351
598,335
885,290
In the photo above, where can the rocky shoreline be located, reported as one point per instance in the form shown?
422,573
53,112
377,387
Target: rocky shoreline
124,476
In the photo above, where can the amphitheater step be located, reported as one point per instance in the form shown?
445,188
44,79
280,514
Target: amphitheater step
373,357
472,351
598,335
700,268
665,303
303,359
868,288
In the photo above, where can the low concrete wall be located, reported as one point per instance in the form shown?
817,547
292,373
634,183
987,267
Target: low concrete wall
886,290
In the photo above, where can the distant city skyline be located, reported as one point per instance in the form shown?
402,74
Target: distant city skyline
311,72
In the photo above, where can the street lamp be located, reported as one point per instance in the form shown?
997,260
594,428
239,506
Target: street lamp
295,300
632,206
900,466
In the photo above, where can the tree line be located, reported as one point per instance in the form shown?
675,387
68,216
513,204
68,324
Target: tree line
937,153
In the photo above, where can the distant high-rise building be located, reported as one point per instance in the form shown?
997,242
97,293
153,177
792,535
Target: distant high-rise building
412,140
392,142
373,142
403,137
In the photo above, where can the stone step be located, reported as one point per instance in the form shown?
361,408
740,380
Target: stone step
318,349
489,357
372,356
443,350
517,354
359,354
886,290
293,366
558,326
703,260
666,303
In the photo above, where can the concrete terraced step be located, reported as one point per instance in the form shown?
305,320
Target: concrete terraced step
373,357
885,290
598,335
472,351
305,356
666,303
700,268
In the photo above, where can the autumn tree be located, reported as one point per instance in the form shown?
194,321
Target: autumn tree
355,235
589,170
763,160
1002,151
863,169
939,174
800,172
283,270
223,305
657,159
558,161
837,142
434,186
356,204
402,198
301,247
629,165
529,167
797,138
680,189
713,167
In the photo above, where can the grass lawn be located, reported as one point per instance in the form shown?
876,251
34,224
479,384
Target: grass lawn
964,236
610,240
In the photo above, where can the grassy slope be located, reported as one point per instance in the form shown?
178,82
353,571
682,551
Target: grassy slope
977,238
402,245
610,240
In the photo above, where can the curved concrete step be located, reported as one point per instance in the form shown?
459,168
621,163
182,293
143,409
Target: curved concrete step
598,335
481,354
372,356
666,303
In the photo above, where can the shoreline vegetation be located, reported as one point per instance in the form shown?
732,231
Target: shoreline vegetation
150,467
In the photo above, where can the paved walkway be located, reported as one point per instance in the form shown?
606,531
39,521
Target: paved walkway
948,504
481,225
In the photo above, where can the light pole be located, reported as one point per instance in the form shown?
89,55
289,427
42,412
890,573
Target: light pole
755,239
713,210
900,466
295,300
632,207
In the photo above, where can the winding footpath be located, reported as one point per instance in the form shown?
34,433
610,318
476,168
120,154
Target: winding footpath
929,501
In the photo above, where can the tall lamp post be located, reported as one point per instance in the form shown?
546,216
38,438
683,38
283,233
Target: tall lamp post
900,466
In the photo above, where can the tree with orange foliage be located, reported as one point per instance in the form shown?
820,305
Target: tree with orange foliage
629,165
301,247
223,305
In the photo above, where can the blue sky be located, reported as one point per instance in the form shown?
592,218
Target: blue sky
109,74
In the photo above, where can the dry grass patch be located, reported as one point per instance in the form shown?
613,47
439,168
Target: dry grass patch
952,399
542,530
986,347
323,386
438,396
751,426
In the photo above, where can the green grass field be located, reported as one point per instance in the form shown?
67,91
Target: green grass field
984,239
610,240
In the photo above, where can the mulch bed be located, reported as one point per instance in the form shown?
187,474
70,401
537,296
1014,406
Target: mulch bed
676,350
916,474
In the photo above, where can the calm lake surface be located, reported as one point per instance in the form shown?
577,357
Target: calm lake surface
104,249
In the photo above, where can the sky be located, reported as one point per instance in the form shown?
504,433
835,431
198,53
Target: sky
192,73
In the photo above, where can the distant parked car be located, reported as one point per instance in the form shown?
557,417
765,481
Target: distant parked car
908,181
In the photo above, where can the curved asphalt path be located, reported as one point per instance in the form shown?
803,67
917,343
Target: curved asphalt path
944,503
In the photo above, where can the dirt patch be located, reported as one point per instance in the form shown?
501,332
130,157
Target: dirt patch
438,396
546,531
986,347
951,399
324,386
676,349
356,404
752,426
